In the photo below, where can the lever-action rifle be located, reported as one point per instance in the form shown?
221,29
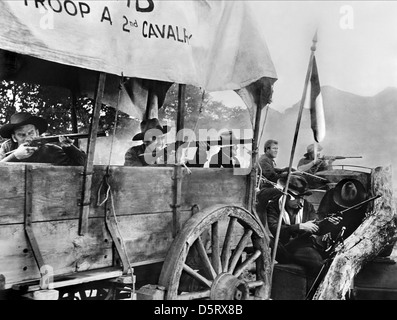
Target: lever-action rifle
39,141
336,157
340,213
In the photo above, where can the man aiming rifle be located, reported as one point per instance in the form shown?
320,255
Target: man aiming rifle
22,130
42,140
312,162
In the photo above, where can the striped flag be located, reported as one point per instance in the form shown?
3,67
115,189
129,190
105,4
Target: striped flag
316,105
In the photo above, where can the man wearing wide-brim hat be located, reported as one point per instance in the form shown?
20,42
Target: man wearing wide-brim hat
152,149
299,228
22,129
347,193
312,163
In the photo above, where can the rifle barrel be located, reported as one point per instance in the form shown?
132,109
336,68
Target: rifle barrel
354,157
70,135
360,204
56,138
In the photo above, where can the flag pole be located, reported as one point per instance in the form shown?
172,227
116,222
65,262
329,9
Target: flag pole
313,49
315,147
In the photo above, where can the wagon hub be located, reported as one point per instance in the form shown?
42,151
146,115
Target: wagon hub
228,287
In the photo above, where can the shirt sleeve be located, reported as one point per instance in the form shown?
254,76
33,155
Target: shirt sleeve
268,170
131,158
2,151
77,156
5,148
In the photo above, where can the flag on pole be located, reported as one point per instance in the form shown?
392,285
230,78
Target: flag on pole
316,105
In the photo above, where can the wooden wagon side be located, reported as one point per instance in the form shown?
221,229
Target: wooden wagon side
40,215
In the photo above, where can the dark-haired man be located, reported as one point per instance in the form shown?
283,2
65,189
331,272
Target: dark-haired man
268,165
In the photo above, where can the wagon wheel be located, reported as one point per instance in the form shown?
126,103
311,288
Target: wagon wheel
204,262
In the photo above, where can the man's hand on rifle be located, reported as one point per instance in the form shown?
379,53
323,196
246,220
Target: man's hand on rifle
334,219
24,151
65,141
309,226
318,161
327,237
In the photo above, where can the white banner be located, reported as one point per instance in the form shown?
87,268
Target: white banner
215,45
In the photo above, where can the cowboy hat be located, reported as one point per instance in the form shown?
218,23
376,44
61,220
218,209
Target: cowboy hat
297,186
151,124
20,119
310,149
349,192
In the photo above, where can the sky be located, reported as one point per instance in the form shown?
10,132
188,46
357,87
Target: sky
356,48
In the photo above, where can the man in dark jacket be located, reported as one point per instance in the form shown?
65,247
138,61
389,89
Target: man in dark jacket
297,238
151,151
22,129
268,165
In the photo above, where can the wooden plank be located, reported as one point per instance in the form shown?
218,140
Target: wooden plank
148,236
55,192
61,248
89,164
28,219
12,193
72,279
210,186
136,190
51,200
118,242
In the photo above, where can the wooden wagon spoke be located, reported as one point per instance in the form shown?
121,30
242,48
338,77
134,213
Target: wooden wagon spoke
204,258
194,295
215,255
194,274
246,263
239,249
190,273
254,284
228,244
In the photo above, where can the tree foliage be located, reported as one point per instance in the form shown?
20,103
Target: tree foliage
203,112
55,104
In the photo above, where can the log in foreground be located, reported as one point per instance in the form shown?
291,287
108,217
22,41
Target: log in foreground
375,232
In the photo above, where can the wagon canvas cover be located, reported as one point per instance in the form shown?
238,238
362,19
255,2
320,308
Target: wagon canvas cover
216,45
